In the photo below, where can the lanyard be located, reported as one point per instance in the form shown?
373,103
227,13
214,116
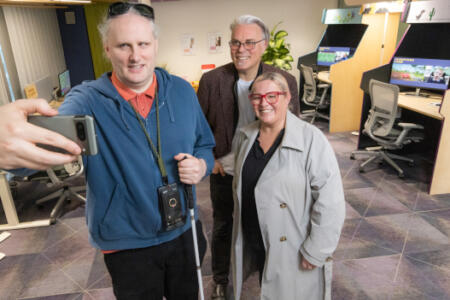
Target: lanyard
156,152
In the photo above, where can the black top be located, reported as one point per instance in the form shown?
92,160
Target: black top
254,165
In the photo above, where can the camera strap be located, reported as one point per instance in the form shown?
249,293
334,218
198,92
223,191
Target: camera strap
156,152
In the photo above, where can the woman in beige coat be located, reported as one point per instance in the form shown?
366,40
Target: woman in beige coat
289,201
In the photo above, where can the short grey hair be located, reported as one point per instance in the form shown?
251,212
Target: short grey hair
277,78
249,19
103,27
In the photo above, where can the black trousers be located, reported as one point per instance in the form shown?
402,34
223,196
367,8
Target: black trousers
222,203
150,273
258,253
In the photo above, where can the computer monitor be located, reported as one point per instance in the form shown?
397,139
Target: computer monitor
64,82
421,72
326,56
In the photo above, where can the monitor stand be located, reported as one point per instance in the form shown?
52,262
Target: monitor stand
418,94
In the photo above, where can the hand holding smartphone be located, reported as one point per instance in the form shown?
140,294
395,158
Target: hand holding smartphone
78,128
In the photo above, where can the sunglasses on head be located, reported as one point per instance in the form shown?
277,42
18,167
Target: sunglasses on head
120,8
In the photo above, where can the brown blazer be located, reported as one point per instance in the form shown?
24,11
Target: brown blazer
217,97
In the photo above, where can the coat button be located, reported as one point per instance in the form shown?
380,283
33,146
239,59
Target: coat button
283,238
283,205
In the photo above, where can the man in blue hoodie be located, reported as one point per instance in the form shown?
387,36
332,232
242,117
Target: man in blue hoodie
151,133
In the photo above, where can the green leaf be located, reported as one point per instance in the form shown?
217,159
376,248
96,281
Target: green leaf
287,67
267,58
279,43
272,33
280,34
287,58
279,62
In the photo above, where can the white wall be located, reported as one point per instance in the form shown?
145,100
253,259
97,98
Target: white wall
36,44
10,64
4,98
301,19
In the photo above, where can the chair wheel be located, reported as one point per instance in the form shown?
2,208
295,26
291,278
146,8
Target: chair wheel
401,175
361,170
352,156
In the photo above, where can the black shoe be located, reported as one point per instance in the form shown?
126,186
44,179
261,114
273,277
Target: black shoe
219,292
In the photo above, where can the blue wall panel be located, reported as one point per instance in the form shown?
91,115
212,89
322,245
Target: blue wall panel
76,45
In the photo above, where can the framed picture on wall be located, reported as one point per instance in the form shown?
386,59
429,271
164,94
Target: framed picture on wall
187,44
215,42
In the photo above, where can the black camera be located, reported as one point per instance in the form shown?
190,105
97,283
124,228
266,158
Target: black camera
80,131
170,206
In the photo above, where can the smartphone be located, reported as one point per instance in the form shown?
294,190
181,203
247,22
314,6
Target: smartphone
79,129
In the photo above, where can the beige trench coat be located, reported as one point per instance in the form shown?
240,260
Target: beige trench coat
301,210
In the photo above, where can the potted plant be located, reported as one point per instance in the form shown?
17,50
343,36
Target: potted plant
277,52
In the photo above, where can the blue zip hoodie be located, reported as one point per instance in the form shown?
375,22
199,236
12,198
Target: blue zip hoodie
122,179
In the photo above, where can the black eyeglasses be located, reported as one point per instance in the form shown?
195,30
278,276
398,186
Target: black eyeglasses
120,8
248,45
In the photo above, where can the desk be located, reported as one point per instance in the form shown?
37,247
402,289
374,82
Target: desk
324,76
10,209
56,103
441,172
421,105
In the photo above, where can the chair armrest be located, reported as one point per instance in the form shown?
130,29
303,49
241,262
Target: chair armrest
407,127
37,176
410,126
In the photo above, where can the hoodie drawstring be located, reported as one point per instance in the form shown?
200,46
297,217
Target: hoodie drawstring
122,116
169,108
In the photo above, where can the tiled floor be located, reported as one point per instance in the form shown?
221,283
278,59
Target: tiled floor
395,243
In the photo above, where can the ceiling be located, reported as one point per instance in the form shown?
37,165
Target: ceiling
360,2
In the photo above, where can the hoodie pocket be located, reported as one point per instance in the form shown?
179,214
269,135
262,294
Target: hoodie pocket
127,219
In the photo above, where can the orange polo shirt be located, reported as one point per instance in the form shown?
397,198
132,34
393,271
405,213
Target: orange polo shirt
141,102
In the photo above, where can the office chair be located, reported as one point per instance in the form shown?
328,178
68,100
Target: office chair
61,177
310,96
381,127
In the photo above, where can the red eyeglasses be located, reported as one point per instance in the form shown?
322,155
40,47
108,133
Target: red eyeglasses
271,97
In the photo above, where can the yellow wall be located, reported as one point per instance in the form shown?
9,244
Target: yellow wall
94,14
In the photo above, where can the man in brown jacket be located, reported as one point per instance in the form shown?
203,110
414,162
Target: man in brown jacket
223,95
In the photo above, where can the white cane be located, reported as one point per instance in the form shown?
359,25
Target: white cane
190,201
